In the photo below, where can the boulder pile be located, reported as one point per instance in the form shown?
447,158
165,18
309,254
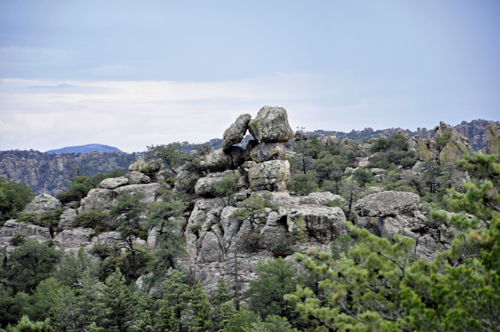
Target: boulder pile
265,168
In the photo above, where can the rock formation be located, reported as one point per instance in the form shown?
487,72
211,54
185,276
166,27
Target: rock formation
271,125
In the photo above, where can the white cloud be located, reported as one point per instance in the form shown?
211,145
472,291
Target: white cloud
133,114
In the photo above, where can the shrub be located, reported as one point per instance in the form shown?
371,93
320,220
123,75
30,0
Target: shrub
18,239
362,176
253,241
303,184
91,218
28,217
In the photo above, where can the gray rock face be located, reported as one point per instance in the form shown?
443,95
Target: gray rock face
148,167
268,151
269,175
206,185
322,198
42,203
248,150
102,199
235,133
318,223
73,238
271,125
97,199
237,156
112,183
66,220
387,203
12,227
135,177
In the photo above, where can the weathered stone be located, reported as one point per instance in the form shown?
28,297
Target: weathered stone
66,220
271,125
235,133
206,185
269,175
135,177
387,203
147,166
314,222
112,183
455,148
148,191
320,198
12,227
492,138
204,213
73,238
268,151
109,238
41,204
427,149
210,249
97,199
217,161
237,156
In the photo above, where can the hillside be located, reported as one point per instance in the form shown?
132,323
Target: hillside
52,173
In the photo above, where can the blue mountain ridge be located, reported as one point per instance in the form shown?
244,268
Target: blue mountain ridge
84,149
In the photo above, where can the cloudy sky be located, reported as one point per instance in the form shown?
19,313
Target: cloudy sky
135,73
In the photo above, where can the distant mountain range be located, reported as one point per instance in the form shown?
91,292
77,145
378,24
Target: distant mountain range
84,149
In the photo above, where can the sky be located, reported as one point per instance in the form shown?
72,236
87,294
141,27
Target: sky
132,74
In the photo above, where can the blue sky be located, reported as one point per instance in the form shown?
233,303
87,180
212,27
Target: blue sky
135,73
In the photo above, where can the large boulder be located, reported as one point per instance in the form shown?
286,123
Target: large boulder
112,183
206,185
217,161
97,199
271,125
315,223
147,166
387,203
12,227
320,198
135,177
268,151
329,140
41,204
235,133
269,175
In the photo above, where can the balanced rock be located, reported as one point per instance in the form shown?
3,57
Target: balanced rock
147,166
269,175
271,125
41,204
112,183
268,151
235,133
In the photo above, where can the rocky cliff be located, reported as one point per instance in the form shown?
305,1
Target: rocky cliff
50,173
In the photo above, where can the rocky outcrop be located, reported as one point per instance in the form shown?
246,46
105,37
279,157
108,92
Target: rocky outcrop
12,227
320,198
268,151
269,175
398,213
66,220
112,183
235,133
102,199
427,149
147,166
41,204
492,138
271,125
